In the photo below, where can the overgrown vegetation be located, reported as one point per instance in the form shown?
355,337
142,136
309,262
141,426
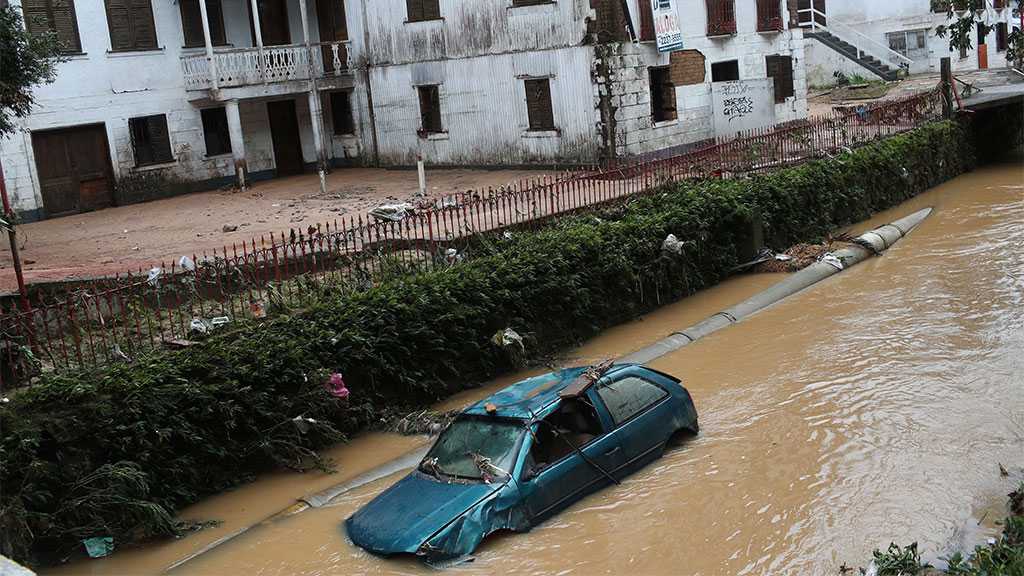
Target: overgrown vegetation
26,61
115,452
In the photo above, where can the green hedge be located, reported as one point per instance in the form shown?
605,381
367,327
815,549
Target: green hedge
115,452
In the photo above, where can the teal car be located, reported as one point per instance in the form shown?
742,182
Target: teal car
521,455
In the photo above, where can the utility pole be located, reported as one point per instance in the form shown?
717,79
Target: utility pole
947,87
25,306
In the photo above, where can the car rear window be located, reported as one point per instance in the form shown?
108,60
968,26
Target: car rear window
629,396
496,440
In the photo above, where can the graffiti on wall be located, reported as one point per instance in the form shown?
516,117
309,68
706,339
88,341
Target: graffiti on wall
743,104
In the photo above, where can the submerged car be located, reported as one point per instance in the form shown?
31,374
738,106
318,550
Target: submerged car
514,459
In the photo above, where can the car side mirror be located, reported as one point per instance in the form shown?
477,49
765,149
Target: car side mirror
533,473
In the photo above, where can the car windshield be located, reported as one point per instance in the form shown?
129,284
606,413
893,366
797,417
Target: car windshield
473,447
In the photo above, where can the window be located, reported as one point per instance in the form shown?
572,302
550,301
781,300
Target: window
57,16
150,140
647,33
721,17
453,453
725,71
192,23
538,104
663,95
769,15
575,423
430,109
420,10
341,113
131,25
531,2
215,131
781,69
1001,37
629,396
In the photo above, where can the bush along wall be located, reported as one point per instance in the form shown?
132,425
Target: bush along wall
115,452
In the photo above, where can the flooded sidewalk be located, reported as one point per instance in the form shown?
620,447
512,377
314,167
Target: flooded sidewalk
873,407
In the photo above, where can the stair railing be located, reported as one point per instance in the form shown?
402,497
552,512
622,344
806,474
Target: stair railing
810,16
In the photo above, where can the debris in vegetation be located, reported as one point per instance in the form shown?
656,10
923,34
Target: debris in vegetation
508,337
303,424
336,385
99,547
186,263
257,309
453,256
188,526
797,258
672,244
153,278
204,326
1017,501
421,422
178,343
229,228
393,212
1002,470
832,260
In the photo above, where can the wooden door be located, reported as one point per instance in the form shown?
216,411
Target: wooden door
982,48
284,131
273,23
330,16
75,174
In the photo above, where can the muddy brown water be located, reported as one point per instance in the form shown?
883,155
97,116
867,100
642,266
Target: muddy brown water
872,407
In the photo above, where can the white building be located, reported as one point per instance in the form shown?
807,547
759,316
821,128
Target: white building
859,37
165,96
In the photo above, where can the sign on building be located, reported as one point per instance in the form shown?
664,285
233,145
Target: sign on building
743,104
666,26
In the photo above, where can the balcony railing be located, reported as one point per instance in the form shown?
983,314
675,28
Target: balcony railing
251,66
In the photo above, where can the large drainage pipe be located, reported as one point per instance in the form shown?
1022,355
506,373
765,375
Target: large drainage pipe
866,245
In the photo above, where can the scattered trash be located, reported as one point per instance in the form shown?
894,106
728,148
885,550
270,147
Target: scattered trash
832,260
1002,470
99,547
422,422
783,257
28,261
154,276
393,212
186,263
4,400
178,343
204,326
257,309
507,337
303,424
872,569
219,321
336,386
229,228
120,355
452,256
672,244
446,202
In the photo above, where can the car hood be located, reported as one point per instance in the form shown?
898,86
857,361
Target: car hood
405,515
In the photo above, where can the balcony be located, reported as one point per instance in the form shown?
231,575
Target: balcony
240,67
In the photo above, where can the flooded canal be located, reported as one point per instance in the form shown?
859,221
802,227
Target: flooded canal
873,407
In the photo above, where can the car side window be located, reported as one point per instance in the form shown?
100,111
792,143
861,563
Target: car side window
573,425
629,396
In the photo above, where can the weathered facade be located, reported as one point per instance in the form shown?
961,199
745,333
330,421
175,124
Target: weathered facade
203,94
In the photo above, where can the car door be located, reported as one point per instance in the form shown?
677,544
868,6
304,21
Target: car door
572,477
642,413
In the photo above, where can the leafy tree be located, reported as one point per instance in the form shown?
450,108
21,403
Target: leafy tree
966,17
26,60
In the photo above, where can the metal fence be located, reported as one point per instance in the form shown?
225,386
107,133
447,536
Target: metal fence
113,319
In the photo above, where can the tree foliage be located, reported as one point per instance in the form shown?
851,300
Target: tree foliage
26,60
966,16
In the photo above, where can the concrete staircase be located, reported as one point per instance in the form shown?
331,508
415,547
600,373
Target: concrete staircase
868,62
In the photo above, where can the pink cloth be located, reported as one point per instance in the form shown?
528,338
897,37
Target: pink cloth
336,384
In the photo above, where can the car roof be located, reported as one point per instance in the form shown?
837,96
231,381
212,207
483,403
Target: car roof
528,398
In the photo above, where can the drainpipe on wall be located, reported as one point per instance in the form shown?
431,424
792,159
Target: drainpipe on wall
12,237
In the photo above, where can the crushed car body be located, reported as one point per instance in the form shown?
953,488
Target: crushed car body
519,456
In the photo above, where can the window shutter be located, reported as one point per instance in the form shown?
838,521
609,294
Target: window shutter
339,21
143,29
119,22
646,21
66,25
430,108
780,69
414,10
140,141
431,9
191,23
36,14
538,104
159,138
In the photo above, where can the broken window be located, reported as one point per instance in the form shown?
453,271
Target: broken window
430,109
725,71
131,25
572,426
910,43
150,140
421,10
721,17
453,453
192,23
57,16
1001,37
538,104
780,68
769,15
341,113
663,95
647,33
215,131
629,396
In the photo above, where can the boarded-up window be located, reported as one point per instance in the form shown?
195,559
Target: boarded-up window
430,109
725,71
781,69
538,104
1000,36
721,17
663,95
530,2
686,67
769,15
192,23
215,131
420,10
57,16
647,33
131,25
341,113
150,140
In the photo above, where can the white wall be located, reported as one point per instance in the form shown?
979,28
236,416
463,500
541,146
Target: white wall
821,63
